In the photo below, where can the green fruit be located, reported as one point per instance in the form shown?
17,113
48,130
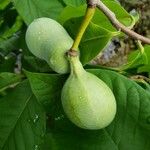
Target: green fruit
87,101
49,41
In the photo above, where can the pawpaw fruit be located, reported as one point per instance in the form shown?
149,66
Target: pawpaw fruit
48,40
87,101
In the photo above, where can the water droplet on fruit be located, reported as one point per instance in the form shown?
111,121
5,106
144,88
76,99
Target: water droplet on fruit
36,118
81,98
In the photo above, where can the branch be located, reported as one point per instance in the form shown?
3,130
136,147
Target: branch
119,26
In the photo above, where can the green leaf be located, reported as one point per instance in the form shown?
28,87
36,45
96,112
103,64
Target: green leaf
8,45
7,79
99,17
139,60
44,87
16,27
130,129
144,84
146,67
32,9
32,63
3,4
93,41
10,34
22,123
135,60
71,12
74,2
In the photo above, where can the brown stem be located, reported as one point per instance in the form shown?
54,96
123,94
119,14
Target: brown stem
119,26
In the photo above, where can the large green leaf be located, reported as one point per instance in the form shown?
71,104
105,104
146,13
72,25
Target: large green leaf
130,129
33,63
43,85
32,9
22,120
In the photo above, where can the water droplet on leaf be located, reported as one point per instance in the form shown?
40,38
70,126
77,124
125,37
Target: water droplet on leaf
29,120
20,50
36,147
5,57
59,117
36,118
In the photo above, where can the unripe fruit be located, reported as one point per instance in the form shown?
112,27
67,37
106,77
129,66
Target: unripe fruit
48,40
87,101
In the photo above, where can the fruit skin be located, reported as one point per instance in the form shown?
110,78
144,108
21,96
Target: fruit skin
48,40
87,101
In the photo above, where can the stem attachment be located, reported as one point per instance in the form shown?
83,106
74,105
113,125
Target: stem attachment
72,53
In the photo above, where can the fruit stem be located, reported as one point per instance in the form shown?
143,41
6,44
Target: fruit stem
87,18
76,66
